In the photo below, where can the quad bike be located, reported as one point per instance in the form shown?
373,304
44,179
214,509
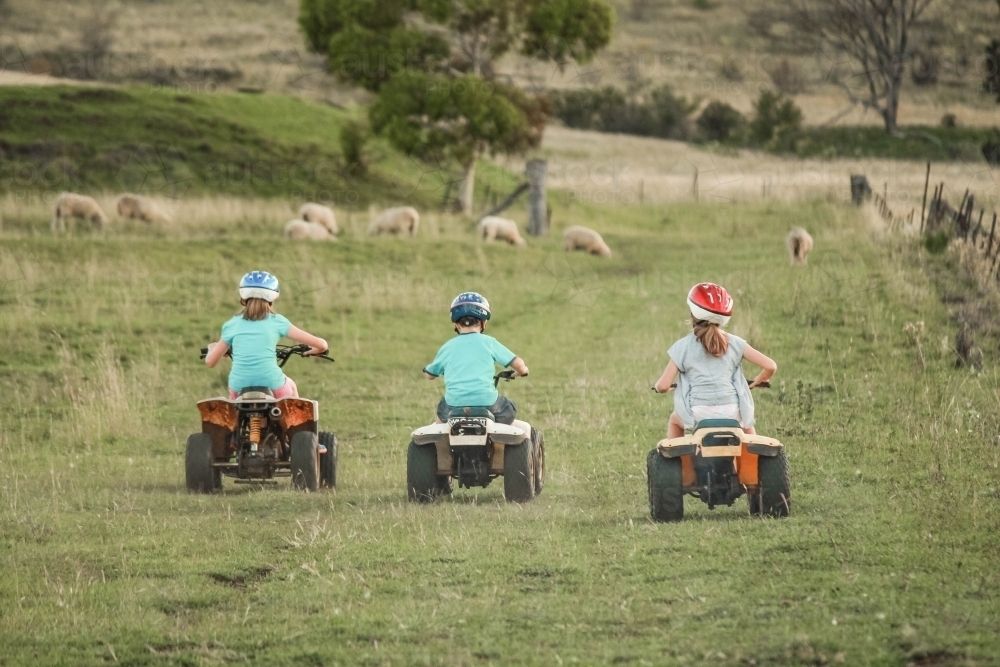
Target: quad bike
717,463
474,449
256,438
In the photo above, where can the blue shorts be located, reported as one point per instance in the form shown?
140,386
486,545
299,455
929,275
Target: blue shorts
504,411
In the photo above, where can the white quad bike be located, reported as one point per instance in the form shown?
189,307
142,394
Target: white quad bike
474,449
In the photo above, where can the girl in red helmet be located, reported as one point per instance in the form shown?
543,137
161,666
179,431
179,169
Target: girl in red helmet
706,364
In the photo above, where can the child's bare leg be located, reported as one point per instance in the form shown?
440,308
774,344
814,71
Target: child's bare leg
675,428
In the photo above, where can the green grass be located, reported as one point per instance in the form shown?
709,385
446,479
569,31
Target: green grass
889,555
157,142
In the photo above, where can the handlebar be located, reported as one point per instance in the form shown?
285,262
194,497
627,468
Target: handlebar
506,376
283,353
763,385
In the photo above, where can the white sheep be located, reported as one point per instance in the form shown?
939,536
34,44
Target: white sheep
586,239
492,228
399,220
318,213
313,231
71,205
135,207
799,245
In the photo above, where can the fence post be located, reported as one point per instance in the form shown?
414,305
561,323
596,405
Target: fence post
993,228
979,224
923,207
538,223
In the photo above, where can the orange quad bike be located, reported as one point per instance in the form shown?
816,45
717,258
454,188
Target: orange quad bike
256,438
717,463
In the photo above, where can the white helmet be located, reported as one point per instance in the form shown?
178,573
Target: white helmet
259,285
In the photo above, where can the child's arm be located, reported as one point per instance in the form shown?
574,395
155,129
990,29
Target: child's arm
662,385
765,362
215,352
519,366
316,344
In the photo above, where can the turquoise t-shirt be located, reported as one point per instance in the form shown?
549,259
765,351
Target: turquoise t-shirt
467,364
252,343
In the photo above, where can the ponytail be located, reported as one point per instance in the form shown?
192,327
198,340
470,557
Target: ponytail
255,309
712,338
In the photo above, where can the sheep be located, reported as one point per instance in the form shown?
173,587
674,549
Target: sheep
135,207
583,238
394,221
799,244
491,228
71,205
313,231
318,213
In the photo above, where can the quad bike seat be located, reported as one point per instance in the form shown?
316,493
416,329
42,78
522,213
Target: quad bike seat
470,412
722,439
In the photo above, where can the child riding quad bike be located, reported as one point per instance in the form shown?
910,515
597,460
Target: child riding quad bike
474,449
723,457
717,464
256,437
477,436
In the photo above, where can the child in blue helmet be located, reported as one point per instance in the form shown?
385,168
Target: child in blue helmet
252,334
468,360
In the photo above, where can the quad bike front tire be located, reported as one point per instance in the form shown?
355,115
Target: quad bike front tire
199,474
775,495
304,460
328,461
538,440
519,472
666,487
422,484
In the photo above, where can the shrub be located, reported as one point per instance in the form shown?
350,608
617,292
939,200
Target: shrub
949,120
991,75
659,113
353,138
720,122
787,77
924,69
777,122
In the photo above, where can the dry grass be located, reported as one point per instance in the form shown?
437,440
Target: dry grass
599,168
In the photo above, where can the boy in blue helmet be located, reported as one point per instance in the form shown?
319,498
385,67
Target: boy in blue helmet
468,360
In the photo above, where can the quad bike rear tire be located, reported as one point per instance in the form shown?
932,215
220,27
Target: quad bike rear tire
199,474
304,460
328,461
775,495
666,487
422,483
519,472
538,440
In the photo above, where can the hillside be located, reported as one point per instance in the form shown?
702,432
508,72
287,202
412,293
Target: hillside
704,48
175,145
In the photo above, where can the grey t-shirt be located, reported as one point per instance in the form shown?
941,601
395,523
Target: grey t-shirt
710,378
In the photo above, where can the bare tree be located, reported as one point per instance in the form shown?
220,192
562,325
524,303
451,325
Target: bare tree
873,35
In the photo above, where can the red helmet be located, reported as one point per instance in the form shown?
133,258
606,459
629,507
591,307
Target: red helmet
710,302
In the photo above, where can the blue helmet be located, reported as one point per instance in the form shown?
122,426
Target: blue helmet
470,304
259,285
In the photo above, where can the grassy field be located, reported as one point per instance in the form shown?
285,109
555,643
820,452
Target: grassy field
889,557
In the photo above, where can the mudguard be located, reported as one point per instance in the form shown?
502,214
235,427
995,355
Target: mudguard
691,444
499,433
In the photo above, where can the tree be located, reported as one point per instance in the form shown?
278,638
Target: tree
431,62
873,34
